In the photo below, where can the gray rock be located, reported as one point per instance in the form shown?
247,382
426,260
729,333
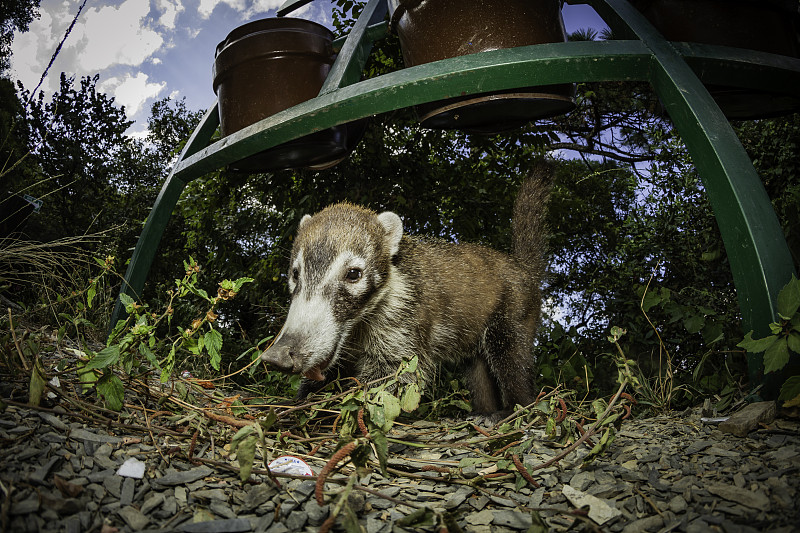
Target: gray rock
457,498
257,496
754,500
210,494
90,436
481,518
512,519
128,489
296,520
152,502
133,517
173,477
113,484
235,525
582,480
316,513
677,504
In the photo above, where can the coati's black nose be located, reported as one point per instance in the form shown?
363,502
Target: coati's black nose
282,357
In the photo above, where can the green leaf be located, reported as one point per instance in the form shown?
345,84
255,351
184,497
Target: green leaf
712,332
37,383
149,355
90,293
127,301
112,390
391,408
790,392
86,376
616,334
776,356
213,342
789,298
411,398
376,414
601,446
105,357
793,340
756,345
381,448
245,456
694,323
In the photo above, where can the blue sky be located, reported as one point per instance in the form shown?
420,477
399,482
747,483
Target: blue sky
145,50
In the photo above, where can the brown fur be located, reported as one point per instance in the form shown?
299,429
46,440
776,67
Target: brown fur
444,302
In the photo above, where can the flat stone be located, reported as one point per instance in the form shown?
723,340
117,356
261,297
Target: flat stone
39,475
257,496
481,518
316,513
126,494
599,510
296,520
235,525
152,501
582,480
133,517
174,477
754,500
512,519
83,434
458,497
747,419
648,523
210,494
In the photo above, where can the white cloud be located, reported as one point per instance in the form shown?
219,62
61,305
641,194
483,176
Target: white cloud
171,8
262,6
206,7
115,36
250,8
132,91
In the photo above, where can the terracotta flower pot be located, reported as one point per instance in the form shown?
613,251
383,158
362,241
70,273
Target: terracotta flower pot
434,30
761,25
270,65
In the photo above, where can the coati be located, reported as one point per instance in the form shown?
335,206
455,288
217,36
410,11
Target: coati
365,296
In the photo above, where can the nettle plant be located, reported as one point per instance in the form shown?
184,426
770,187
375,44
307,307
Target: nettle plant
783,345
133,341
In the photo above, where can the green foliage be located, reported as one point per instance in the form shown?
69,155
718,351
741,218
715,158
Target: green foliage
135,342
784,343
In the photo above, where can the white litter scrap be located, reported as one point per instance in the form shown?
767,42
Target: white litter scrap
132,467
286,464
599,510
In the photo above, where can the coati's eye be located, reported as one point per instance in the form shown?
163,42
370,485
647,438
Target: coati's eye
353,275
295,274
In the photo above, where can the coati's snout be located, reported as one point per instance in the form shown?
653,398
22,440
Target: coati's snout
340,261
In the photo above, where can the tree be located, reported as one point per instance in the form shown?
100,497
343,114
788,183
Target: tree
15,15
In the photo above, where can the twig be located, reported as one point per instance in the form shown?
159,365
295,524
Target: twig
592,431
16,342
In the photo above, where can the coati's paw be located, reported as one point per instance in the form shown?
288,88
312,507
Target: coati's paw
486,420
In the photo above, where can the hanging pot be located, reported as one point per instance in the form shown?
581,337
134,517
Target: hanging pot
762,25
433,30
270,65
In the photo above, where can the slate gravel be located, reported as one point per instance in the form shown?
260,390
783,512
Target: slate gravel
670,473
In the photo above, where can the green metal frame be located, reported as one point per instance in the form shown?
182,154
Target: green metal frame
758,253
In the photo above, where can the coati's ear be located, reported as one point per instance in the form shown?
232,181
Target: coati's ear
303,222
394,230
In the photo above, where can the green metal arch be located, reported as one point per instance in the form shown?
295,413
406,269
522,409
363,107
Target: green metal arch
760,259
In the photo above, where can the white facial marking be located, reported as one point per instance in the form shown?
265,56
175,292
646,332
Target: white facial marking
311,318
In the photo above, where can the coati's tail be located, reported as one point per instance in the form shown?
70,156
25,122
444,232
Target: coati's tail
529,225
